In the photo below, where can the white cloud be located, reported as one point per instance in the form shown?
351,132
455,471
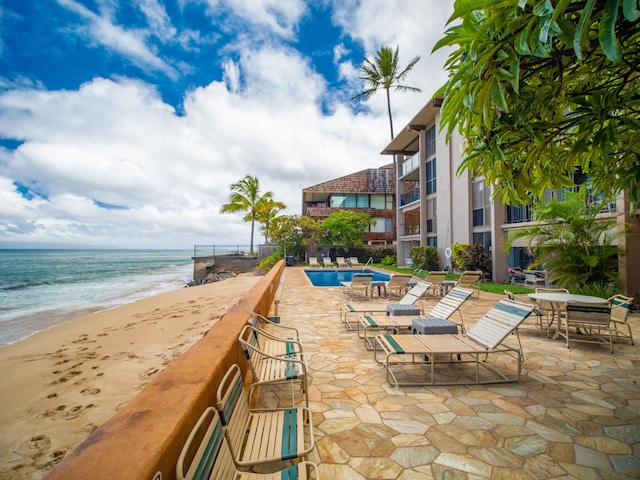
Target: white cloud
116,141
101,30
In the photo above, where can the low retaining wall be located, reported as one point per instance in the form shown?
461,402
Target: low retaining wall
144,439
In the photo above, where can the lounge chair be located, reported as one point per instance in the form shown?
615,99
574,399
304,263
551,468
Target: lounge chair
397,285
269,342
326,262
442,310
620,306
359,284
263,323
511,296
436,278
469,278
416,293
313,262
269,369
261,436
354,262
213,459
588,319
532,279
410,354
341,262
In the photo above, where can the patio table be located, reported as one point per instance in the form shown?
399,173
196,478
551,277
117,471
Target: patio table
558,300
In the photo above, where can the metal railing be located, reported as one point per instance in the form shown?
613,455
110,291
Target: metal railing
218,250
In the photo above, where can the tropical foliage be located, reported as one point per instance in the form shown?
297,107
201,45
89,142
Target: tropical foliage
573,242
542,89
470,256
344,228
246,198
266,213
294,233
384,73
425,257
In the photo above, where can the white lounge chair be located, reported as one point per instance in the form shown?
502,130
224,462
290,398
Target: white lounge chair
398,284
313,262
359,284
469,279
261,436
354,309
443,310
326,262
213,460
341,262
408,355
270,369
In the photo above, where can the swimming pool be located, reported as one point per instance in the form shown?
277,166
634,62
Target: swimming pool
332,278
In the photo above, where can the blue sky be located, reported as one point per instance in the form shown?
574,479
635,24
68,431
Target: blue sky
124,123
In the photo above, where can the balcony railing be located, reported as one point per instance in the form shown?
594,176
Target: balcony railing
411,196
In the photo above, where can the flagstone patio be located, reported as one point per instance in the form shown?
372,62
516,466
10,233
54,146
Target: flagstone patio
573,413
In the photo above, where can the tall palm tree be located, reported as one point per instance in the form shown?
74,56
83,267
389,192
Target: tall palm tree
267,212
245,197
384,73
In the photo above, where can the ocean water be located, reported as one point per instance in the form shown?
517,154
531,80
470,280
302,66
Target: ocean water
42,288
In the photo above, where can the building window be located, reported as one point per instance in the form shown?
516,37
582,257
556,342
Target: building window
431,142
338,200
518,213
383,225
431,214
481,204
431,176
382,202
432,241
362,201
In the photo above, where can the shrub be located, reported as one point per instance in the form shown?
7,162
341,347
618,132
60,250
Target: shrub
470,256
268,263
389,260
425,257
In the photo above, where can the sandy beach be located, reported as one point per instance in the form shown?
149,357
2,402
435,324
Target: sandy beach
59,385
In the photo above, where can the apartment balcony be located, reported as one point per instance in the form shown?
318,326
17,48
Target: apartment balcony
412,196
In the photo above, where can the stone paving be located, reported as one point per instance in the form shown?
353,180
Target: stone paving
574,414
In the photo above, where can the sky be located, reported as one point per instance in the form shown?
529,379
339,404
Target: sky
124,123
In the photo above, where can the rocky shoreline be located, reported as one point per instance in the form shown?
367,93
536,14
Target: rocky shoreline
212,277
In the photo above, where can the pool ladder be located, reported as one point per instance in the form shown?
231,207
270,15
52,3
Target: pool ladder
365,265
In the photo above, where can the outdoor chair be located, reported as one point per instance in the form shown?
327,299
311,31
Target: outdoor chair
532,279
620,306
274,339
469,279
313,262
269,369
588,320
341,262
409,356
436,278
416,293
354,262
398,284
359,285
442,310
211,458
326,262
261,436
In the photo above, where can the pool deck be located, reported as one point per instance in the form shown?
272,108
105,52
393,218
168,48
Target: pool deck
574,414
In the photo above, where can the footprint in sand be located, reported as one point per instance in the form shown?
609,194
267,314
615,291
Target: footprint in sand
88,428
90,391
35,445
74,412
148,373
54,459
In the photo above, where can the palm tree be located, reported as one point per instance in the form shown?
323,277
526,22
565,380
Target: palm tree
245,197
384,73
267,212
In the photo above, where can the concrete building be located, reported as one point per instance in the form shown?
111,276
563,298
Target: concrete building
439,207
368,191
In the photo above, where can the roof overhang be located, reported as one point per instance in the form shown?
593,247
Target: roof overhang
407,142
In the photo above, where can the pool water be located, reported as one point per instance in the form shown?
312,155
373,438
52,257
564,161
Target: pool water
332,278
